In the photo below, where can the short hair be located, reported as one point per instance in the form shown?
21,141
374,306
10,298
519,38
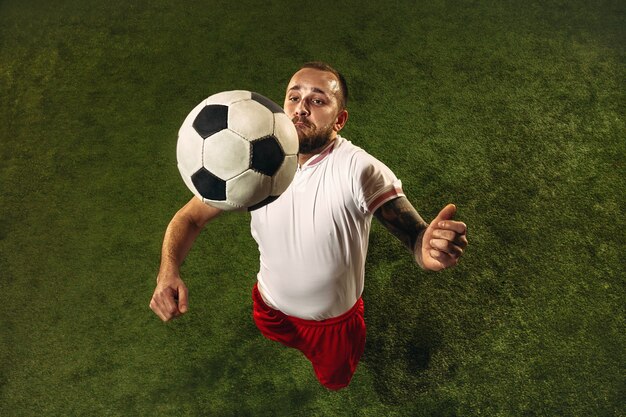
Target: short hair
343,85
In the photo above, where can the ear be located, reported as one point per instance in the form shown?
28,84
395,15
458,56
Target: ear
341,120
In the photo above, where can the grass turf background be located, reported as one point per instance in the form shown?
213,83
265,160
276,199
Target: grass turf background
514,112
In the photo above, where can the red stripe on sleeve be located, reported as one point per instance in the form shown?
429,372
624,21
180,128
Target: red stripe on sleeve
384,197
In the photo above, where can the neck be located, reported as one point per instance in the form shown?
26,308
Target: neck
304,157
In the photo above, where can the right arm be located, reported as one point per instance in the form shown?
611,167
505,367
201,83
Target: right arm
170,295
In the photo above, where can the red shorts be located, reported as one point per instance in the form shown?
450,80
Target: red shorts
334,346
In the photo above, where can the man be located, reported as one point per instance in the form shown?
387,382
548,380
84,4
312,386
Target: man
313,239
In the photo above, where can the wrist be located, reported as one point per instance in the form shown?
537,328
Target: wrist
417,249
167,269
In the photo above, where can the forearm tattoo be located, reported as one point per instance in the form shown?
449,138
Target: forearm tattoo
402,220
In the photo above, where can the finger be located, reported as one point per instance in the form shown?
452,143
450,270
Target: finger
458,239
163,315
446,246
444,234
438,255
456,226
447,213
461,241
158,309
432,260
444,259
168,304
165,306
153,306
162,309
183,304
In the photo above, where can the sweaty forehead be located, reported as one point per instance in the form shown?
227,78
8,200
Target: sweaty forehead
310,79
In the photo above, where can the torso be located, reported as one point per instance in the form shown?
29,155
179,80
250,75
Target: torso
313,239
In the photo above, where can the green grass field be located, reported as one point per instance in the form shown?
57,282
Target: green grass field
515,111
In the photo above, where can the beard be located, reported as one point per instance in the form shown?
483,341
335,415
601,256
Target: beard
313,138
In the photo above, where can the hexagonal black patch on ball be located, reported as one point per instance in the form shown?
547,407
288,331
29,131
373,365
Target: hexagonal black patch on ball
267,155
273,107
211,119
208,185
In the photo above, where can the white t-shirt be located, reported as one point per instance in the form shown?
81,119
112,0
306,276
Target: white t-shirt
313,239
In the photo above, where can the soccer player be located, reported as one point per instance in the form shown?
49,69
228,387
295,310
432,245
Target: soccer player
313,239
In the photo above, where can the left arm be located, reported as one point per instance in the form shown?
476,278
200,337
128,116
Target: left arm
402,220
435,246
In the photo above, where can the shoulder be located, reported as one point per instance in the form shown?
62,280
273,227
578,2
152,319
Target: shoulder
371,182
357,160
357,157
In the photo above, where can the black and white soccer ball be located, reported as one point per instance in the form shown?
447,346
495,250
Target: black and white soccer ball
237,150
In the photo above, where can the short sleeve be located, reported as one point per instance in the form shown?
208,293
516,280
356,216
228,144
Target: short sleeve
373,183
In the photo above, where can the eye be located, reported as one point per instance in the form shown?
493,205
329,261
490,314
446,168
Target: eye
317,101
293,99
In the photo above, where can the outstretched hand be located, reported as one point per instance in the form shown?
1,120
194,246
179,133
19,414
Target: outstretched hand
443,241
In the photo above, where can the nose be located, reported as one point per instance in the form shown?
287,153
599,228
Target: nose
301,109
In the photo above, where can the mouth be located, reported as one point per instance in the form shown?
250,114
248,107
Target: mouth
300,123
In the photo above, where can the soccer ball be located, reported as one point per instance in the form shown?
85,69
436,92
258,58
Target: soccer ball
237,150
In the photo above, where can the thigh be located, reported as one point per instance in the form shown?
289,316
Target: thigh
335,350
273,324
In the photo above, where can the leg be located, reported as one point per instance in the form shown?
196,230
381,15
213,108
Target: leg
335,349
273,324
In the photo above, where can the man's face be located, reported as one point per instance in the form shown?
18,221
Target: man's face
312,102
